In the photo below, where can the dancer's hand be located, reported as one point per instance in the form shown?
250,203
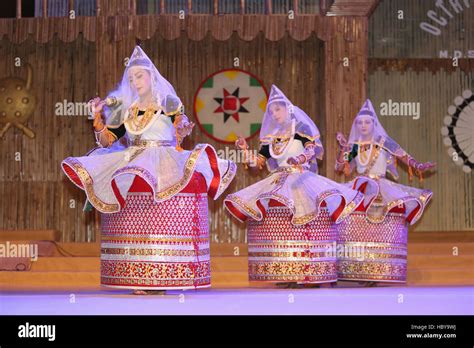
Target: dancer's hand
183,127
241,144
341,139
293,161
422,167
96,105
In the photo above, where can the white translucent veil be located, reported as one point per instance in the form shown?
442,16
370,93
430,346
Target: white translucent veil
125,94
380,138
297,122
379,132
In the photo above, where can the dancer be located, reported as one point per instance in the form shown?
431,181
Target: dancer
152,194
291,232
379,226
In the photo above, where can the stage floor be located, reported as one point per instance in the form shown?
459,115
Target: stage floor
251,301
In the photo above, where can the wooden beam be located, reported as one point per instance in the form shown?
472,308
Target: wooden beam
345,86
190,6
44,10
269,7
18,9
216,7
242,6
162,6
296,6
70,7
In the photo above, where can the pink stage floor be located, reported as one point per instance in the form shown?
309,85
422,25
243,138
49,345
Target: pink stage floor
252,301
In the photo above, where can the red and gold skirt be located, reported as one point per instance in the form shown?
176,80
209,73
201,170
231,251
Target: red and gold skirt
368,251
280,251
151,245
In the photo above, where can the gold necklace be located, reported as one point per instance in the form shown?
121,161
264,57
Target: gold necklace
140,124
365,152
373,157
279,144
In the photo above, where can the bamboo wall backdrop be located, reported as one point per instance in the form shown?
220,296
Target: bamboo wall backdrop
35,194
452,206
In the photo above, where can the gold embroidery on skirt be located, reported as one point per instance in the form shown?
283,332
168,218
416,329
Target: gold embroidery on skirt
87,182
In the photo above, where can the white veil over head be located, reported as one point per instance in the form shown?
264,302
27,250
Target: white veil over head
378,133
126,95
379,137
297,122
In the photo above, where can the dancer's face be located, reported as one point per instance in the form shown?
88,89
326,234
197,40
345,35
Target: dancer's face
279,112
365,125
140,80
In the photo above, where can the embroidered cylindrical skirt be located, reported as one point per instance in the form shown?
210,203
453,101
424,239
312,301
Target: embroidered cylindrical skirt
282,252
150,245
368,251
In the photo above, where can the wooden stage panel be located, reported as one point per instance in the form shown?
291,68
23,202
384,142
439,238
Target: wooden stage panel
71,266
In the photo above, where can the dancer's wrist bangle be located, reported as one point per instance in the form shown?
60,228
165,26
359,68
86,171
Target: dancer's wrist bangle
100,131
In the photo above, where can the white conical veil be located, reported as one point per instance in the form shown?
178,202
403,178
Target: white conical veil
380,137
298,122
161,88
379,132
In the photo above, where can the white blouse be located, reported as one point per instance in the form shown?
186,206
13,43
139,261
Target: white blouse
159,128
295,148
380,166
